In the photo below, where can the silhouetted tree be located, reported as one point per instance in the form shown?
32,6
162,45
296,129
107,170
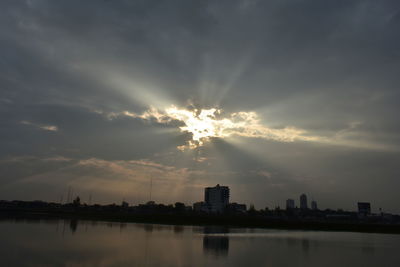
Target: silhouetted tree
179,206
77,202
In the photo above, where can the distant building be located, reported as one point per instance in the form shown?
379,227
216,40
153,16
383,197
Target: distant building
217,198
303,202
124,204
290,204
238,208
201,207
364,208
314,205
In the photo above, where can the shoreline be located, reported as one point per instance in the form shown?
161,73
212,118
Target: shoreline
237,221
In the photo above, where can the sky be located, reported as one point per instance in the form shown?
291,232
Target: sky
139,100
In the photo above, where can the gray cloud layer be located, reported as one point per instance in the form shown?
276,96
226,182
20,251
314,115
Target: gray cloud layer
329,67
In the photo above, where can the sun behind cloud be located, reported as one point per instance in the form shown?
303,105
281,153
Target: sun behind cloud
204,124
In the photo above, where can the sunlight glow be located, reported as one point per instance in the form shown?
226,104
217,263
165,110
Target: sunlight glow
204,124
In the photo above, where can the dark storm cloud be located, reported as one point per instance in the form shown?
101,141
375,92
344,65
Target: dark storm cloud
329,67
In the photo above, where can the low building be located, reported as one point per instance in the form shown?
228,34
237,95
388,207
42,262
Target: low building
364,208
314,205
290,204
201,207
237,208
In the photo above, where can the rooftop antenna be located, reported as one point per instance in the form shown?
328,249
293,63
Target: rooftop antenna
90,199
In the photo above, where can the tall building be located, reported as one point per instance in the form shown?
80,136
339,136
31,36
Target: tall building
364,208
303,202
314,205
289,204
217,198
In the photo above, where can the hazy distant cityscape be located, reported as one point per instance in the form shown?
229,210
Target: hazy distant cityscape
215,208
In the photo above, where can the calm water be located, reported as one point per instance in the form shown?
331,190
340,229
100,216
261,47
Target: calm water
84,243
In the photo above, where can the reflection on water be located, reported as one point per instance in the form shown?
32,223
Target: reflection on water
305,244
87,243
73,225
178,229
215,241
216,245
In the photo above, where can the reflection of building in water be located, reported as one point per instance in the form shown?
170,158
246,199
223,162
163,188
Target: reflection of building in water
217,245
148,228
214,240
178,229
122,226
73,225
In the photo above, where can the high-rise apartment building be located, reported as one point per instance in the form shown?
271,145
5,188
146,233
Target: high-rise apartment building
217,197
303,202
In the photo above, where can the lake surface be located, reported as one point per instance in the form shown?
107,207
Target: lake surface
86,243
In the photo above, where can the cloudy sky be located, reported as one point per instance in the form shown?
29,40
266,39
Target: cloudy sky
272,98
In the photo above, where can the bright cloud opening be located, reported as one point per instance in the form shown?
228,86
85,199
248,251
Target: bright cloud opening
204,124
